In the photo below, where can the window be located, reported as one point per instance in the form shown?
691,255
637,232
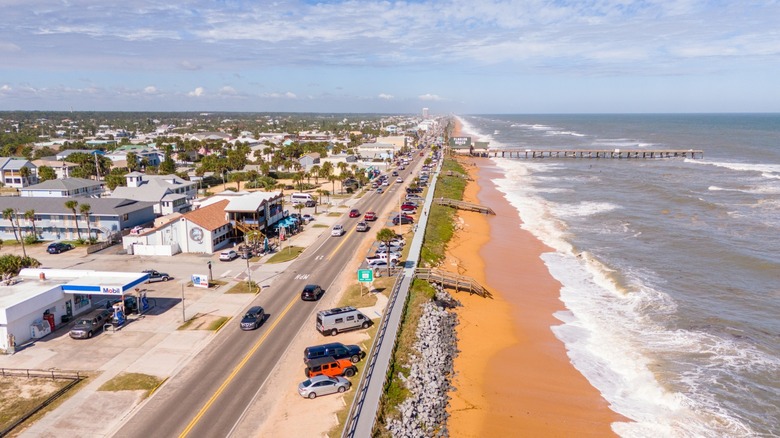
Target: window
339,320
350,318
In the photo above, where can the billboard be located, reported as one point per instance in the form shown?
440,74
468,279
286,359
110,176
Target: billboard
460,142
199,280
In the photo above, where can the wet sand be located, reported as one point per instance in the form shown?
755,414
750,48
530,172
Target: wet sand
514,377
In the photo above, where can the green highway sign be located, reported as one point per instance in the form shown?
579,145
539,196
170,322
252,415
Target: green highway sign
365,275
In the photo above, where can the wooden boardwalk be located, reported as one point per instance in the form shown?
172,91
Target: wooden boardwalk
452,280
593,153
463,205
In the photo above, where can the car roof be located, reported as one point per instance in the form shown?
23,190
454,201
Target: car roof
321,378
322,360
311,286
254,309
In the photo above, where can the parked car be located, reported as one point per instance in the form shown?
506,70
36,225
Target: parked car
361,226
408,208
322,385
58,247
337,350
246,254
310,203
403,220
87,326
378,263
228,255
329,366
312,292
156,276
253,318
337,230
354,213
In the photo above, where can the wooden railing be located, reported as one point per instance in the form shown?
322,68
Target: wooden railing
452,280
463,205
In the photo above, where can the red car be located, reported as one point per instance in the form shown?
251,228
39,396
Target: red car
369,216
408,207
354,213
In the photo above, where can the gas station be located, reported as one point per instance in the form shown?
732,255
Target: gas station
37,301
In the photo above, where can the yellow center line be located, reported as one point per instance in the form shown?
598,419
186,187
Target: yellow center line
343,241
235,371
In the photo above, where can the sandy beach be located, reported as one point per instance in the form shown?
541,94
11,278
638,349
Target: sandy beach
513,376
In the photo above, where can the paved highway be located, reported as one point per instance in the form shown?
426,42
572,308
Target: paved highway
209,395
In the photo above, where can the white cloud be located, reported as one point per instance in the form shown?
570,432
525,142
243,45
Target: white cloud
150,90
228,91
187,65
429,97
287,95
196,92
385,96
9,47
5,88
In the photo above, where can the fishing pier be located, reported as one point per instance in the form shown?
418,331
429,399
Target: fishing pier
591,153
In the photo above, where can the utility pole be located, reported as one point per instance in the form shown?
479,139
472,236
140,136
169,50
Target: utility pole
183,316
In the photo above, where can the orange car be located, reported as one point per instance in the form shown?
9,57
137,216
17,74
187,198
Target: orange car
329,366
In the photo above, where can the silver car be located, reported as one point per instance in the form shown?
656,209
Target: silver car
322,385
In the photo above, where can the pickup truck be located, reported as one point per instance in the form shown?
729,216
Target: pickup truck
382,257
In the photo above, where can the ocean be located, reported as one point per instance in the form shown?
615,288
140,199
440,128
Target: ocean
670,268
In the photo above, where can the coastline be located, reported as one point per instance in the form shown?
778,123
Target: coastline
522,380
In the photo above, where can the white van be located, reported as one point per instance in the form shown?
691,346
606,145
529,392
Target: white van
300,198
333,321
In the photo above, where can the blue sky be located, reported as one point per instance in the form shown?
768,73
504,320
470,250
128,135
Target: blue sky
456,56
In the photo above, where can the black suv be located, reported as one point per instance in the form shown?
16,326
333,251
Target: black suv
312,292
58,247
336,349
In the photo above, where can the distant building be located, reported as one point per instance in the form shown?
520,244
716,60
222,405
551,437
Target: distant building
62,155
11,172
65,188
53,221
169,192
309,160
425,113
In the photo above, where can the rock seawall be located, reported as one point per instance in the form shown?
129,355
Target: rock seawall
424,412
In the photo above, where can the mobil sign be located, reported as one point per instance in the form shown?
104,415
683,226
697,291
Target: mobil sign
111,290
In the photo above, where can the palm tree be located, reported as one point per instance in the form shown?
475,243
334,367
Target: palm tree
315,172
24,172
71,205
132,161
30,216
85,209
386,235
333,179
8,214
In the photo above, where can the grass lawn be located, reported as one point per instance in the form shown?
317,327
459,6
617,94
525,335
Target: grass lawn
243,288
286,254
132,382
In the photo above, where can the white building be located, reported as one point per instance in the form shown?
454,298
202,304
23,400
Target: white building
65,188
40,298
170,193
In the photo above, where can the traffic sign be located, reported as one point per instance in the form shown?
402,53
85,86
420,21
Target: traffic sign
365,275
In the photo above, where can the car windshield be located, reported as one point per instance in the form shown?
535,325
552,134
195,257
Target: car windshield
84,321
307,382
249,315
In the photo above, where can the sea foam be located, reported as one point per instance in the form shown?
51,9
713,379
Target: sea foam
610,327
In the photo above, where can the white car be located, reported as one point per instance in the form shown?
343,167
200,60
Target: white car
399,180
337,230
228,255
